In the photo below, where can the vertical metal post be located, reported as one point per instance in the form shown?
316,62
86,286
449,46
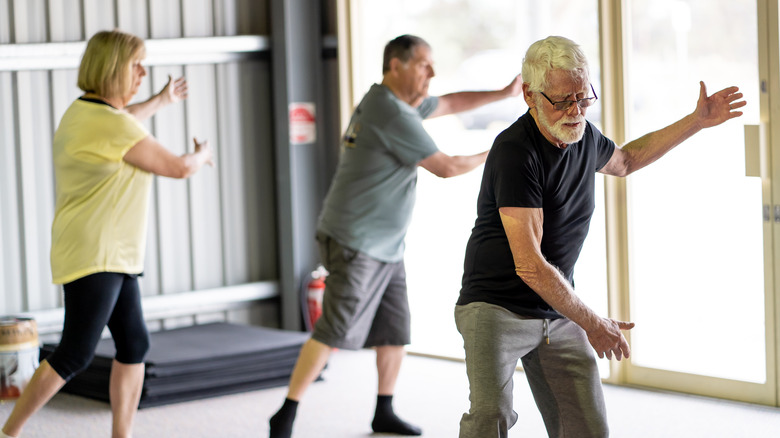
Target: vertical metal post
296,56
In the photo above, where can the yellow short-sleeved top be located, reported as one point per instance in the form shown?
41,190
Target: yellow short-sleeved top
100,217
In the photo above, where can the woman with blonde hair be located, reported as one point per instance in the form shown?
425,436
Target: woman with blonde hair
104,162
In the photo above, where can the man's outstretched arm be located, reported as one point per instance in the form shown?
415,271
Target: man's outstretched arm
467,100
710,111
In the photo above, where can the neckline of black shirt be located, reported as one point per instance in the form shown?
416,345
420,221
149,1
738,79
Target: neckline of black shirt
93,100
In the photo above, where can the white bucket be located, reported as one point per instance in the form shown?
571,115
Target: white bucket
19,353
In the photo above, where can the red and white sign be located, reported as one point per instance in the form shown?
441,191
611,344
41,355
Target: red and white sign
303,126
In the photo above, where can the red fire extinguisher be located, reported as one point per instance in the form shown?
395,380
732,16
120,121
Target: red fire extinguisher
314,293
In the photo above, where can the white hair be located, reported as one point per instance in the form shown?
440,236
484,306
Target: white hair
553,53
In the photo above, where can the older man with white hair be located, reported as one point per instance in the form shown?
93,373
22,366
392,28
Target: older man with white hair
518,301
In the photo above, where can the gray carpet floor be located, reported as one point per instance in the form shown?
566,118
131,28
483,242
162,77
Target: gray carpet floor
432,393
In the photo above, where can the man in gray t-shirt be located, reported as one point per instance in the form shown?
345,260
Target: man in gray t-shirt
364,220
370,201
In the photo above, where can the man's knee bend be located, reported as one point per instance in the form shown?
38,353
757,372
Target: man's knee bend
486,410
597,427
493,414
133,350
487,421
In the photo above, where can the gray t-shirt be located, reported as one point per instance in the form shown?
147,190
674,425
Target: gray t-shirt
370,201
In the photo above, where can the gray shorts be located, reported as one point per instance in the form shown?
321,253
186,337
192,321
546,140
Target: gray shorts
562,374
365,302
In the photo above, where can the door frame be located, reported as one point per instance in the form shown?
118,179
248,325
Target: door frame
629,373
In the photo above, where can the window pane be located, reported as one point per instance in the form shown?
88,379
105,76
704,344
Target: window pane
696,243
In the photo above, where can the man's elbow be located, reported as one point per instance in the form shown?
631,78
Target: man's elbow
529,273
441,169
622,173
447,172
621,169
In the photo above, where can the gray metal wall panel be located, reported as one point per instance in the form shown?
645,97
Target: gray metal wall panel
165,19
10,248
29,21
253,17
65,21
36,181
259,170
98,15
5,21
231,172
197,18
248,217
133,17
204,187
225,23
173,207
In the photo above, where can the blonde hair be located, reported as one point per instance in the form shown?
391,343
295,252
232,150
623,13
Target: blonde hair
106,65
553,53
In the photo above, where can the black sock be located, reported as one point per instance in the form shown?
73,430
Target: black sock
385,420
282,421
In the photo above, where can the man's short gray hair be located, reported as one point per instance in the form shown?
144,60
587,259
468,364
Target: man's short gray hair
402,48
553,53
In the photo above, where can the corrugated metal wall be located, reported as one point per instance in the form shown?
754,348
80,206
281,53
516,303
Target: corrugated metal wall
212,231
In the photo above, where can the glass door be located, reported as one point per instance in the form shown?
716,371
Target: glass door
699,255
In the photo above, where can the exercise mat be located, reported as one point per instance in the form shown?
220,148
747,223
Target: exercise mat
197,362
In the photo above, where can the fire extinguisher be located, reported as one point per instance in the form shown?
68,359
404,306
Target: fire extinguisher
314,293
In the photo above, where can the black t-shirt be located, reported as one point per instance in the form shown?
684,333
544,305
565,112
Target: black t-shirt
523,169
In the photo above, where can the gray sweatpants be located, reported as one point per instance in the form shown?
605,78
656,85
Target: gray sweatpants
562,374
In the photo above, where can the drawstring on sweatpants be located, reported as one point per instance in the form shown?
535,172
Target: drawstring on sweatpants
546,330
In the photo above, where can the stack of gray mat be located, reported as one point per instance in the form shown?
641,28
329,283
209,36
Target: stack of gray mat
197,362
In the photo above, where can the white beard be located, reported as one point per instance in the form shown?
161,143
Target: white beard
563,133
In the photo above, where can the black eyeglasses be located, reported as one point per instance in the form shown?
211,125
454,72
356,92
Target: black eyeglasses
564,105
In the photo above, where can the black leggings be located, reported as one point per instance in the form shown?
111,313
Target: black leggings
91,303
